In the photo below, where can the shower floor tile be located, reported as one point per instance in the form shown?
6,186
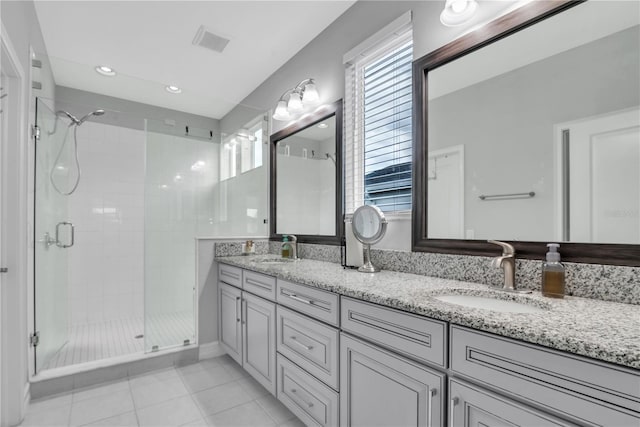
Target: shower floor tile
102,340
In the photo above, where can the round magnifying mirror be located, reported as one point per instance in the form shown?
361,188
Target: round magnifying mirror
369,226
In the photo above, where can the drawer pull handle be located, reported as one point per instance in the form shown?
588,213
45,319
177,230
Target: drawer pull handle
238,309
297,298
259,284
452,405
432,392
226,273
309,404
306,347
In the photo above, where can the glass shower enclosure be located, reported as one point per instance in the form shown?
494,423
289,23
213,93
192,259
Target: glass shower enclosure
115,260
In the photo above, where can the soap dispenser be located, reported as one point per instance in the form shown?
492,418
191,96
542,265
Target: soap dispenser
553,274
286,247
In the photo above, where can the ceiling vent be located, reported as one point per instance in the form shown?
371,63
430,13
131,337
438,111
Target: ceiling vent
208,40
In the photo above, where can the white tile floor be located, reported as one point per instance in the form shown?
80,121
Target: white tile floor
102,340
213,392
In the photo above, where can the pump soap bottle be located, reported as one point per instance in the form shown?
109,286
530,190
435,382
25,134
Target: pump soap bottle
286,247
553,274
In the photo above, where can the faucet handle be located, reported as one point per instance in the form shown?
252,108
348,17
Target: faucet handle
292,237
507,249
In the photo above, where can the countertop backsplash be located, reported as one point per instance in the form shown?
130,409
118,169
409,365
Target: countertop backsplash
235,248
603,282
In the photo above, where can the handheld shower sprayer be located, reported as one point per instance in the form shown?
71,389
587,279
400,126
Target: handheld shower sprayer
75,123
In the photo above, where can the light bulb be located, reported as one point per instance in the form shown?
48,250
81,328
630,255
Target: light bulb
457,12
105,70
458,6
310,93
281,112
295,103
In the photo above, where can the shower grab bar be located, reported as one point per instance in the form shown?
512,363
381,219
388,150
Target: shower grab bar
73,233
508,196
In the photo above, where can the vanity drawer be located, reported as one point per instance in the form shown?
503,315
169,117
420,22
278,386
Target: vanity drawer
259,284
414,336
309,399
309,343
579,388
230,275
316,303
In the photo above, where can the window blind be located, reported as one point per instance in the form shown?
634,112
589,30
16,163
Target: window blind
378,124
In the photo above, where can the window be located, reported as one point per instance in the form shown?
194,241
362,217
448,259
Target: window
378,118
242,150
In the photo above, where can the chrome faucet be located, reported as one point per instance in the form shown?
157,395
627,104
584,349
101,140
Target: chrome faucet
294,246
507,262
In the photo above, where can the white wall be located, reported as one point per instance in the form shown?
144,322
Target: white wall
106,264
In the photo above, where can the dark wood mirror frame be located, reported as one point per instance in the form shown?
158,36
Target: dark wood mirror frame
334,109
530,14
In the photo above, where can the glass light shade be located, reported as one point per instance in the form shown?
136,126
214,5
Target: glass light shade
459,6
457,12
281,112
310,94
295,103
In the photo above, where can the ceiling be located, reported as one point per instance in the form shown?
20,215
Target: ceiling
149,44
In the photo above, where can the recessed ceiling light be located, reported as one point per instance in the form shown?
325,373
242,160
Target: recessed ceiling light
105,71
323,125
173,89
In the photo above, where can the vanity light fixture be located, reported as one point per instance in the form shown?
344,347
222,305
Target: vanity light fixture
105,71
294,101
457,12
172,89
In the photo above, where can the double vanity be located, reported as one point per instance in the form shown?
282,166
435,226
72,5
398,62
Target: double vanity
338,347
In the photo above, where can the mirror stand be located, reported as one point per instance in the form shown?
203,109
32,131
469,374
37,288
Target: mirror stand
368,267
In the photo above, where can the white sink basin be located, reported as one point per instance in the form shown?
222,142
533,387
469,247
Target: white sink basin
277,261
487,303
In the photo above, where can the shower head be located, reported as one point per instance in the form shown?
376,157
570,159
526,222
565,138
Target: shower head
71,117
93,113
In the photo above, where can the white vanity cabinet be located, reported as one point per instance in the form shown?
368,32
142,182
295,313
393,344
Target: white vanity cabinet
335,360
247,323
583,390
380,388
472,406
259,340
230,320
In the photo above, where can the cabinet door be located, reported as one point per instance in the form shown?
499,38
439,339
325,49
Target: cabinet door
474,407
379,388
229,309
259,340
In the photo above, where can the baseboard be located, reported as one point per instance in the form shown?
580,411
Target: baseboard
210,349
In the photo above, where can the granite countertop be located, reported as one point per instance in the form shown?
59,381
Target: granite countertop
598,329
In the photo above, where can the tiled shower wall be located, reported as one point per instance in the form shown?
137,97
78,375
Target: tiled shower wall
106,264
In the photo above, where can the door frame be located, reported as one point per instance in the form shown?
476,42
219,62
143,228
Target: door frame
14,358
560,167
454,150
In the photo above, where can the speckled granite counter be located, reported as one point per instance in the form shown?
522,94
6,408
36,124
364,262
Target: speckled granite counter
598,329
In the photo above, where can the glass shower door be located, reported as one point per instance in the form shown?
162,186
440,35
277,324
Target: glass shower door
180,175
51,253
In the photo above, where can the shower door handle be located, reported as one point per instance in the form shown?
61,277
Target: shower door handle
73,232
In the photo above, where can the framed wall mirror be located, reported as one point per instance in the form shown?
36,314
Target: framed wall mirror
306,178
528,131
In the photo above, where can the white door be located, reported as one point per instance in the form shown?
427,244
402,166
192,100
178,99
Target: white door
604,178
446,193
